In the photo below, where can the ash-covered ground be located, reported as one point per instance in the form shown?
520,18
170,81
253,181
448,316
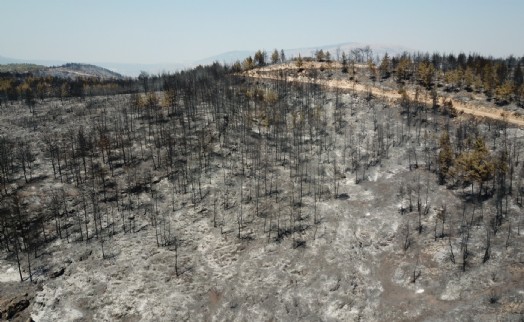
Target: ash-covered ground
257,202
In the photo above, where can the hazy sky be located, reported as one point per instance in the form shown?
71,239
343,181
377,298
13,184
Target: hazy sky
133,31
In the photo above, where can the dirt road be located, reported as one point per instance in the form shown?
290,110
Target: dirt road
466,108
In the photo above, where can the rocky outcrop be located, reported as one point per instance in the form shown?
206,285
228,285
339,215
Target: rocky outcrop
58,273
11,308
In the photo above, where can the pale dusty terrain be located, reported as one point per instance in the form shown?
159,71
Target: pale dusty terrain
350,266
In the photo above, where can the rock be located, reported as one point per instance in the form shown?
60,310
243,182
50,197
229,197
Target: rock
343,196
13,307
58,273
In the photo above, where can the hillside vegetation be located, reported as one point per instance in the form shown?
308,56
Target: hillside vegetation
258,193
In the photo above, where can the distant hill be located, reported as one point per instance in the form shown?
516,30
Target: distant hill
20,68
70,70
7,60
133,70
74,70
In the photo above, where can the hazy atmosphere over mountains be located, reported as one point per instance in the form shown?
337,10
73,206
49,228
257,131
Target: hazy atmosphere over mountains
126,36
134,69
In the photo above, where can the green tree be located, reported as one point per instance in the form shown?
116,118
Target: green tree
275,57
503,92
489,79
426,72
169,98
454,78
476,165
152,100
319,55
403,69
42,90
299,62
248,64
385,66
469,78
236,67
260,58
65,91
344,63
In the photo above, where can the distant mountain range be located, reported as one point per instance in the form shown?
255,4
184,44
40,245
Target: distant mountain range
71,70
376,49
228,57
133,70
